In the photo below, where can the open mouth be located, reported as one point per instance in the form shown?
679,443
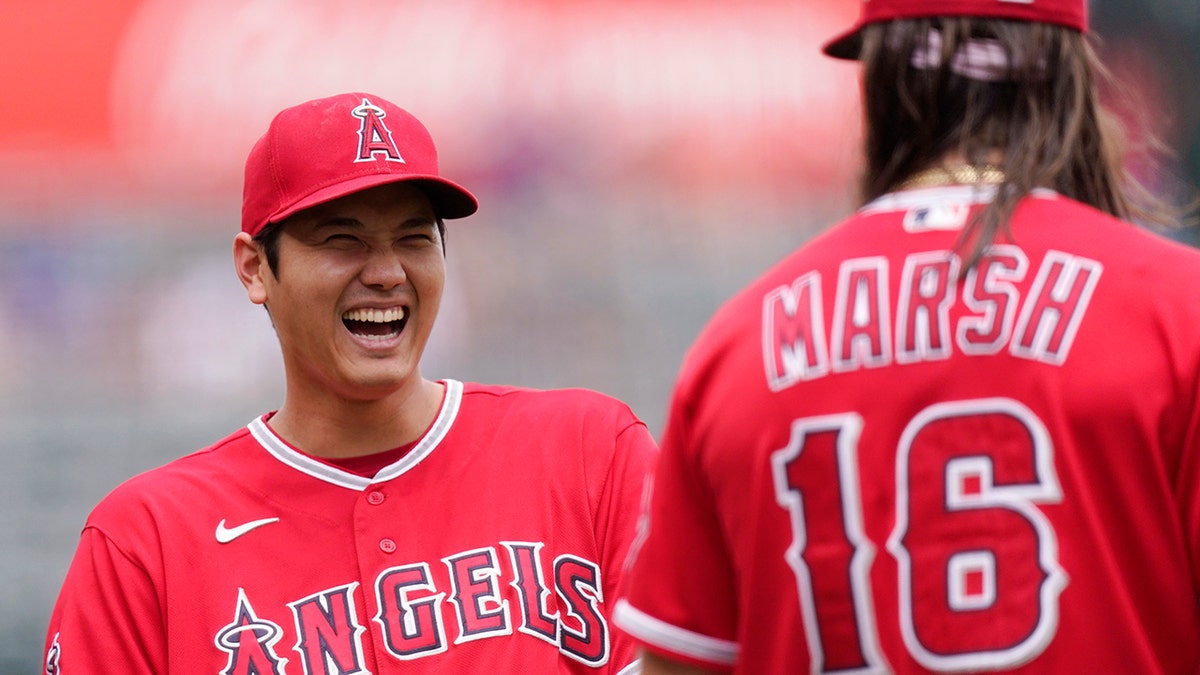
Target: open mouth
376,324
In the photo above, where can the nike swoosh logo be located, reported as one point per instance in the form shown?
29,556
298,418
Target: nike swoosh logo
228,534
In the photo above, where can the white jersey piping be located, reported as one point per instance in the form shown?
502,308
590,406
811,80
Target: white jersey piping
656,632
330,474
967,194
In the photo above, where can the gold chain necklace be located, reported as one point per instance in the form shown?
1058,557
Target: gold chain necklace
954,175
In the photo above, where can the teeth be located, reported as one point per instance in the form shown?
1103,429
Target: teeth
375,315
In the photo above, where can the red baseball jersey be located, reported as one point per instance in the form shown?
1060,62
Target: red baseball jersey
496,542
877,460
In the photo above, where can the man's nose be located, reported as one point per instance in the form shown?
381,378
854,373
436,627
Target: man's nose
383,269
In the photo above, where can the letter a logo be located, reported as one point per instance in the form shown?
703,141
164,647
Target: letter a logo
373,135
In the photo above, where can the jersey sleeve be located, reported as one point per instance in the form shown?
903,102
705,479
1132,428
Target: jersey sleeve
634,457
680,600
107,615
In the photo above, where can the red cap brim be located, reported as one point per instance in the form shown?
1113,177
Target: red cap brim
845,46
449,199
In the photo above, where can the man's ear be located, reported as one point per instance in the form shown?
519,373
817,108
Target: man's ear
251,265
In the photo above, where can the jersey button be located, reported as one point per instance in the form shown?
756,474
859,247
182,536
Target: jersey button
387,546
375,498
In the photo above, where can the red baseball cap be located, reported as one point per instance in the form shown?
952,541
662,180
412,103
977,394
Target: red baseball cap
327,148
1069,13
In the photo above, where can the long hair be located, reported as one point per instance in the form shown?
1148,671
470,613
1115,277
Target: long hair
1039,120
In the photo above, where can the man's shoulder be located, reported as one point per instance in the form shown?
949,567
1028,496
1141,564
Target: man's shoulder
568,406
1150,255
176,481
514,395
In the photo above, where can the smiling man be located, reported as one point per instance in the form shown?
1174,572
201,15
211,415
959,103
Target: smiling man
378,521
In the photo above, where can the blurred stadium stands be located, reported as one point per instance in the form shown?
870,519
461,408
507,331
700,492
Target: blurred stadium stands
636,161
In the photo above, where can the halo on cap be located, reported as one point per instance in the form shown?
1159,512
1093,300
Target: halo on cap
1068,13
328,148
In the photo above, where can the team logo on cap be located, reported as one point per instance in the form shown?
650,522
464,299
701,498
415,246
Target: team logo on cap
373,135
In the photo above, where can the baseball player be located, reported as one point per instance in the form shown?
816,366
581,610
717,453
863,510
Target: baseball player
959,431
377,522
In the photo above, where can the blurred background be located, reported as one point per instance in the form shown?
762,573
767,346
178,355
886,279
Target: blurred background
636,162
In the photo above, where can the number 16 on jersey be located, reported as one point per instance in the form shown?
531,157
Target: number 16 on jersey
973,549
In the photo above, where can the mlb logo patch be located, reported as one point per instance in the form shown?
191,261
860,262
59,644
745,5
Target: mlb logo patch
936,217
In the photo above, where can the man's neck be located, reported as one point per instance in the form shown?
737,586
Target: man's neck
334,427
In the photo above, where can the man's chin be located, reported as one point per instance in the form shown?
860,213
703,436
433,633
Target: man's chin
372,384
